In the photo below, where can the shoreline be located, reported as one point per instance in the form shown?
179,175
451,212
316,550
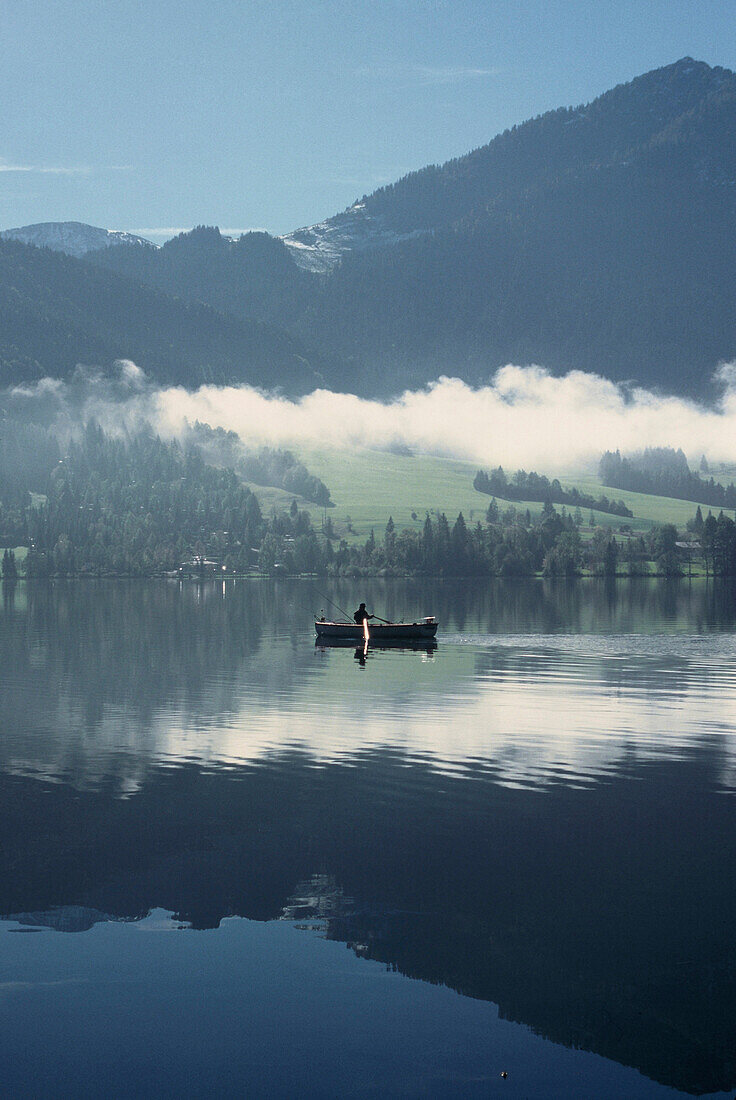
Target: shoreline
364,575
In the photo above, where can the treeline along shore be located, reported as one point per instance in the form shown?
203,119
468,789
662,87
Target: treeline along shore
142,506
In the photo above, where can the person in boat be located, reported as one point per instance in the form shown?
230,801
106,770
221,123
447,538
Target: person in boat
361,614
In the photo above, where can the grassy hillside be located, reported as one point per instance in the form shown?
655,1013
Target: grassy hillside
647,509
368,486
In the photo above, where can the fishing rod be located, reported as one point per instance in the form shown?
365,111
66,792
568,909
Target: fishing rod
329,601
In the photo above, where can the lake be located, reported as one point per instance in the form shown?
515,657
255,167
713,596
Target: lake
234,863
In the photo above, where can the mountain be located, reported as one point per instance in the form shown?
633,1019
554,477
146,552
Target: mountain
554,146
541,151
57,311
254,276
596,237
73,238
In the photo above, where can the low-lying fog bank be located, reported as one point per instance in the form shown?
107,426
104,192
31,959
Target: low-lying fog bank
524,417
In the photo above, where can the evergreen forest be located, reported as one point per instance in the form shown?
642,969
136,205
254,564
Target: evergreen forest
533,486
664,471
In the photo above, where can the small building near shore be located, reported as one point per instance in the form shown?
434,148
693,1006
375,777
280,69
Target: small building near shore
199,568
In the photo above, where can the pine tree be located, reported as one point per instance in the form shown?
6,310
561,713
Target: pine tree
389,538
610,558
460,540
443,541
428,544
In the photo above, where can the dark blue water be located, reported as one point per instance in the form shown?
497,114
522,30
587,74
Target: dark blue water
234,863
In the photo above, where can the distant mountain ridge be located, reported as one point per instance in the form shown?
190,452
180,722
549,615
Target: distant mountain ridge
315,248
73,238
439,195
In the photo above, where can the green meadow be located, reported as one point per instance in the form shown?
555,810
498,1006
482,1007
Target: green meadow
647,509
369,486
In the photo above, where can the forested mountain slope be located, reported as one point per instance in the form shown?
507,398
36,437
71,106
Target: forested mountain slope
655,109
614,274
602,241
254,276
57,311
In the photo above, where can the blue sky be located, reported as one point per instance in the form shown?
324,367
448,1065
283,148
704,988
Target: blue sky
275,113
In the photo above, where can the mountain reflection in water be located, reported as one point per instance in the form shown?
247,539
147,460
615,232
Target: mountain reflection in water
539,815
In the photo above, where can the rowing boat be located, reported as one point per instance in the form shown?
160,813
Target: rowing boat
422,629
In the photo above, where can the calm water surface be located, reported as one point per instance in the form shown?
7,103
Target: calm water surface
233,863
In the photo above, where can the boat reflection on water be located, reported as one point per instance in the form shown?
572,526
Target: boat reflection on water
362,652
425,645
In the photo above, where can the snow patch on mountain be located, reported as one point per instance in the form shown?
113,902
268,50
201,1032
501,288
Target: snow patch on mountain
319,247
74,238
